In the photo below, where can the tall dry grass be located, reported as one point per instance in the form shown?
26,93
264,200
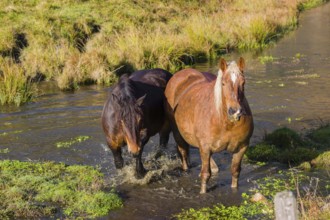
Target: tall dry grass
15,87
77,42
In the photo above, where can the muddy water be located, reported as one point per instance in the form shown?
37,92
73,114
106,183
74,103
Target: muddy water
292,90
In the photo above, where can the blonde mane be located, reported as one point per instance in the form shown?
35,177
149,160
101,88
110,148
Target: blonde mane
234,72
218,92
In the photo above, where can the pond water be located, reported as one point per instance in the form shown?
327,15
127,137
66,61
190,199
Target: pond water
292,90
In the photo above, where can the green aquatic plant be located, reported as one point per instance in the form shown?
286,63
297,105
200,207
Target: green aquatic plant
266,59
34,190
258,202
66,144
247,210
4,151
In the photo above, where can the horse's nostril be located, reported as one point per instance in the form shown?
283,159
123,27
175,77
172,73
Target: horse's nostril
231,111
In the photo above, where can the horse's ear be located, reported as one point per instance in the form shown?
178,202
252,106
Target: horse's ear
140,100
123,77
222,65
114,97
241,64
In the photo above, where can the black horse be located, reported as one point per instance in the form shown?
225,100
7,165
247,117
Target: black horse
134,112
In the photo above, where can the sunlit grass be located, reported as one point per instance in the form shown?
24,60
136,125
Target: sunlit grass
82,42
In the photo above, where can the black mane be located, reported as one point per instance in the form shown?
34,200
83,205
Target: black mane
124,98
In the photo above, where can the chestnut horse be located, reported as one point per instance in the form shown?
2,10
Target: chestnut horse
134,112
211,113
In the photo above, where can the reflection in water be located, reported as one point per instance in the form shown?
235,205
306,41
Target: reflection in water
293,90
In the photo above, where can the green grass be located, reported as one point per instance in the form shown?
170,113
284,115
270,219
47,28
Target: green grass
286,146
83,42
33,190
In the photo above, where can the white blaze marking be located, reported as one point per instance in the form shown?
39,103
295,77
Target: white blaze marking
233,77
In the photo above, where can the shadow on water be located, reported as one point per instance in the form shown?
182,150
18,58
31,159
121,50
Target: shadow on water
292,90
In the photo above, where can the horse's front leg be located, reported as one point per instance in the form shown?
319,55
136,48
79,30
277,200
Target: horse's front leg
116,152
206,169
236,165
139,168
119,161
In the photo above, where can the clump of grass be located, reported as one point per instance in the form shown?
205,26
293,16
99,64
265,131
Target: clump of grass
284,138
283,145
321,135
34,190
322,161
66,144
15,88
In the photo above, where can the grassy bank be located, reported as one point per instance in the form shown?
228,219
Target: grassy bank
284,145
89,41
34,190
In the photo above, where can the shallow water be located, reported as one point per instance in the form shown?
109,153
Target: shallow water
293,91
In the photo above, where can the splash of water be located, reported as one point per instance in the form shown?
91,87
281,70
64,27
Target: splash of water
157,169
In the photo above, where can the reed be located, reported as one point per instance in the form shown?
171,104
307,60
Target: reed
15,87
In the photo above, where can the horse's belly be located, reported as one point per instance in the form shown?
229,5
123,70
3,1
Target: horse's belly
186,121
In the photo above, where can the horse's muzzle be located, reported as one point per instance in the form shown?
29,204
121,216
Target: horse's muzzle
135,155
234,115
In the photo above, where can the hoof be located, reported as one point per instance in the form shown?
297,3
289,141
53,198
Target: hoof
159,153
119,164
141,174
203,189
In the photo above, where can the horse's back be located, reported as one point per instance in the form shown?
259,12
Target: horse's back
156,77
183,81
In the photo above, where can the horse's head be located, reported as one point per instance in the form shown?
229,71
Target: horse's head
232,88
130,116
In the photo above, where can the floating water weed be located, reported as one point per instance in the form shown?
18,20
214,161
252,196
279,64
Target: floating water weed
66,144
4,151
266,59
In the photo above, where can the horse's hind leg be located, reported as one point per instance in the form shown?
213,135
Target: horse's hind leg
214,167
183,146
236,166
183,149
164,136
